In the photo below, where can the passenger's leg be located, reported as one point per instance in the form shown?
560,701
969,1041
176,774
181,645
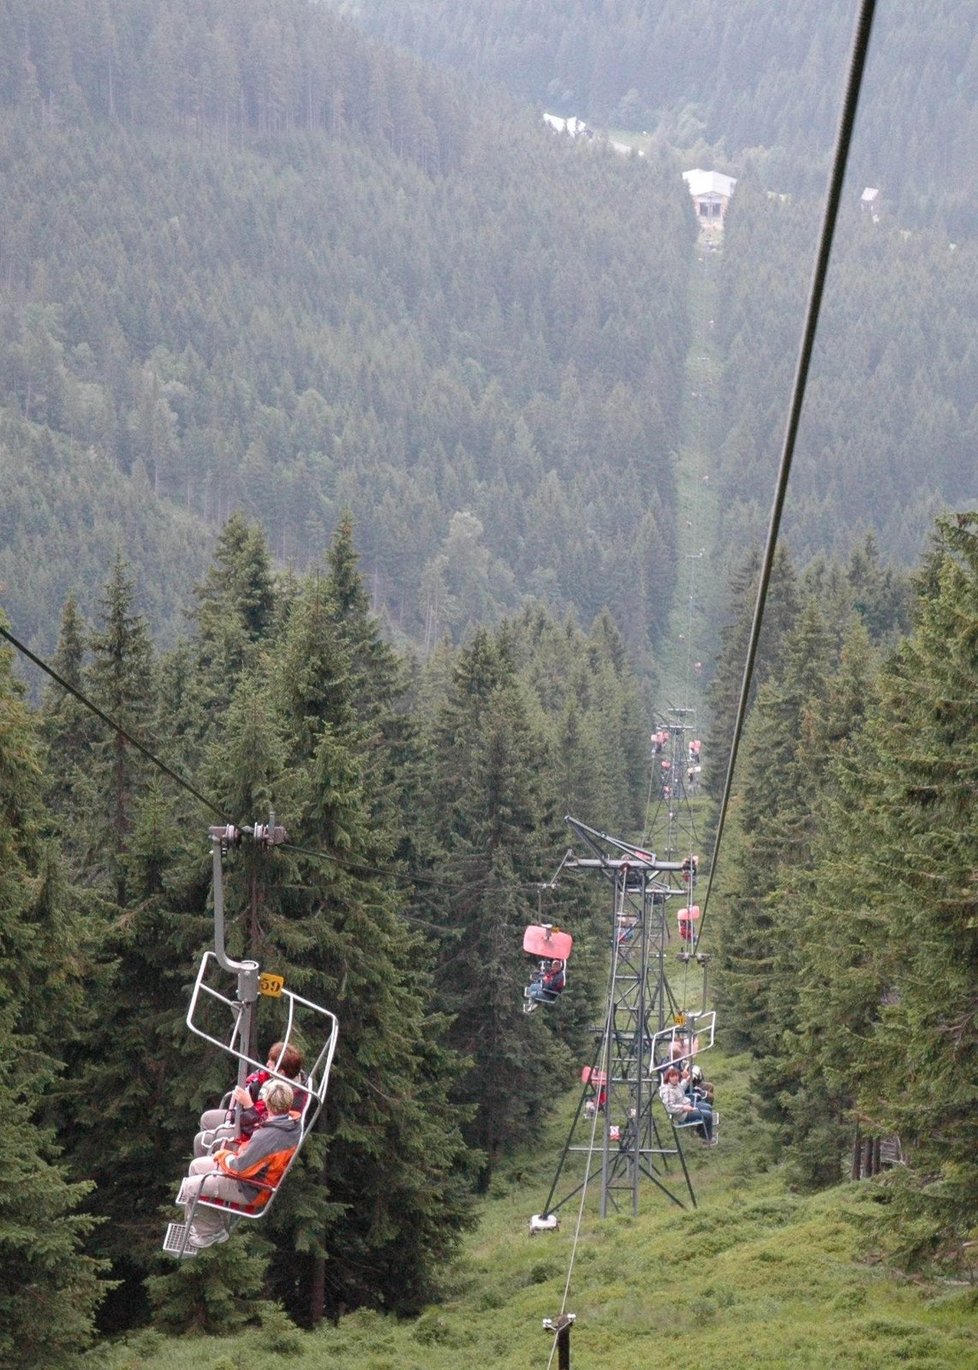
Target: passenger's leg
209,1225
213,1117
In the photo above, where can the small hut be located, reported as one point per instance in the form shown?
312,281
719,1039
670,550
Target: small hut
711,192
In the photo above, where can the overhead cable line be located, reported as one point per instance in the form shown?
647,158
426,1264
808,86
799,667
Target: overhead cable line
365,868
117,728
356,867
847,120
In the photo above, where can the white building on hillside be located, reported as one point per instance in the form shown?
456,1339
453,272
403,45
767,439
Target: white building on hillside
577,128
711,192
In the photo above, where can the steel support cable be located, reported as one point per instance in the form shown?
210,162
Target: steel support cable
603,1052
117,728
366,868
355,867
847,120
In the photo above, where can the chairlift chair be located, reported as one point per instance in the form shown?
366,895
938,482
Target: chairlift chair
301,1015
687,919
547,943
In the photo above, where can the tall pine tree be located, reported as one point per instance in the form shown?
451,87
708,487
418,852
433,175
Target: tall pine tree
49,1289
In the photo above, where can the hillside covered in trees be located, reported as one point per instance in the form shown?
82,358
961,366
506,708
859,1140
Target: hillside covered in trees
846,942
888,431
422,815
736,77
424,812
250,260
338,411
890,425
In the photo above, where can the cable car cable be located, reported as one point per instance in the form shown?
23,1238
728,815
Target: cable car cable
857,67
371,868
348,864
118,728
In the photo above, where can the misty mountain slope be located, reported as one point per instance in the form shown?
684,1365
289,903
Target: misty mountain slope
737,74
889,427
251,260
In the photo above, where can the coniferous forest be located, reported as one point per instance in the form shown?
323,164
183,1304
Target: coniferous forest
345,438
733,78
251,262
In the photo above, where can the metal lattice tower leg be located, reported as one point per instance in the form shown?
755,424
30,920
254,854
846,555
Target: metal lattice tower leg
620,1135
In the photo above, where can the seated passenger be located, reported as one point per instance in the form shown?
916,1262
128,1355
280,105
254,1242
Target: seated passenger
674,1057
698,1088
597,1104
225,1175
682,1109
547,984
219,1126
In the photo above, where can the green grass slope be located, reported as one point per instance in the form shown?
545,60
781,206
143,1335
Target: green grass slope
754,1276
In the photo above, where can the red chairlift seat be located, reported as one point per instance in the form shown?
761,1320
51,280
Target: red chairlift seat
544,940
547,943
687,919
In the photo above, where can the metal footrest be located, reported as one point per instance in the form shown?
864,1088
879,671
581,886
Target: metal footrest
175,1242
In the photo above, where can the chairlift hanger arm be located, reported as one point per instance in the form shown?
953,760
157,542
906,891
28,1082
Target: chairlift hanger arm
632,864
223,837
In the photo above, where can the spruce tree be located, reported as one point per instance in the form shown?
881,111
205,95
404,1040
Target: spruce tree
916,1057
832,940
493,815
68,728
49,1289
136,1054
384,1175
780,612
119,681
235,612
772,815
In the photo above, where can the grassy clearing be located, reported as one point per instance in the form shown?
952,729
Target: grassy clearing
753,1277
699,591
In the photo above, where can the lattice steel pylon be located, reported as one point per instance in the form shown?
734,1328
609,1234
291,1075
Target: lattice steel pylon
619,1132
675,780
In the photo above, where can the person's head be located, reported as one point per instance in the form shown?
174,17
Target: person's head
287,1060
556,965
672,1076
277,1095
676,1049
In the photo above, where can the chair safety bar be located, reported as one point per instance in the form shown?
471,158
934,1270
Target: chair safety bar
315,1022
697,1033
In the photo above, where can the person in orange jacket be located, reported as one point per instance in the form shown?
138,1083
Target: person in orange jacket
226,1174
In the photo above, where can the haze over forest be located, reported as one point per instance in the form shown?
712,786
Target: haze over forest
357,434
251,260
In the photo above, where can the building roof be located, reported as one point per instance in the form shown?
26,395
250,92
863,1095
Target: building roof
870,194
709,183
573,125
